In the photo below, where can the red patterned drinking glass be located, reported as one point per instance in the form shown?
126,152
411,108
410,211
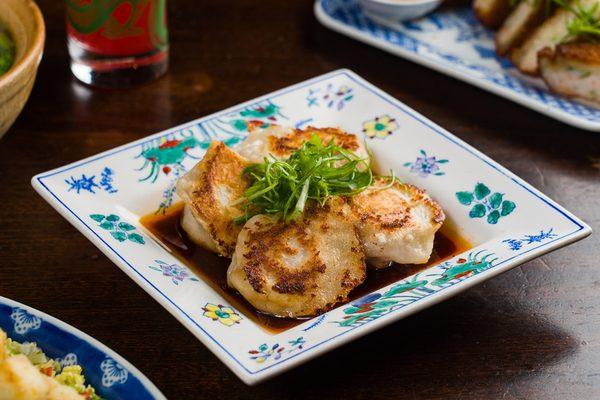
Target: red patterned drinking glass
117,43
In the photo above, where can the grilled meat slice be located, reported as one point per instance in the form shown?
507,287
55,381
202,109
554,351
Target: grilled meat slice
522,19
573,70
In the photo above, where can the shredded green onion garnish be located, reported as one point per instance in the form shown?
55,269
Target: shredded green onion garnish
585,25
316,171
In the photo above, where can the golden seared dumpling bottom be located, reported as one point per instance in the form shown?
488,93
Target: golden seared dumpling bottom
302,268
397,223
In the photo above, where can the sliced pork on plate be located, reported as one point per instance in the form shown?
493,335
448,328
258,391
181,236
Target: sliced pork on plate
524,17
552,32
209,191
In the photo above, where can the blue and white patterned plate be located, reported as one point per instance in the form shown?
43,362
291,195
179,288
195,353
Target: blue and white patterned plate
453,42
111,375
507,220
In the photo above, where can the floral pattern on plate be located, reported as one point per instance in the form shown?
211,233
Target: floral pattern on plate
224,314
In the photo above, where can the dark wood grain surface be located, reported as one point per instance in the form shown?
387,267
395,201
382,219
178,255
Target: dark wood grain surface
532,333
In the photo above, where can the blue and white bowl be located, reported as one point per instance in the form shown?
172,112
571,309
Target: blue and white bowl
392,12
110,374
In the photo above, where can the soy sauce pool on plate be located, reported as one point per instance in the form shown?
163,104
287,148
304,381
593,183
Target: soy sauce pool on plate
212,268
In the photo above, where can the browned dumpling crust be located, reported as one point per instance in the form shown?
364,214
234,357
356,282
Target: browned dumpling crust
281,142
302,268
208,190
397,223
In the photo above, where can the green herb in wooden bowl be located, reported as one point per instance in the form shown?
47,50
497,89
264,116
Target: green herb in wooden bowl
7,50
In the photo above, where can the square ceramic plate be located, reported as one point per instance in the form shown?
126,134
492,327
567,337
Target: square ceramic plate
454,43
507,220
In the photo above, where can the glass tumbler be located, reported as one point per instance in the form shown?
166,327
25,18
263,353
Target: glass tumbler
117,43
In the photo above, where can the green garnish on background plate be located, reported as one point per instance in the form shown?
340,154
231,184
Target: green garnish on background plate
7,50
316,171
586,22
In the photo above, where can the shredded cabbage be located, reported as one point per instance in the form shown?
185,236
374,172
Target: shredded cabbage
71,376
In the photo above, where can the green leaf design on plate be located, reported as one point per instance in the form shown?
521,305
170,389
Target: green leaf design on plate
384,303
120,236
477,211
496,200
137,238
481,191
493,217
239,124
507,207
97,217
465,198
109,226
125,226
113,218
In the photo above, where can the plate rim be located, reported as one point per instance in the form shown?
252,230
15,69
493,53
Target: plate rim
144,380
525,101
221,352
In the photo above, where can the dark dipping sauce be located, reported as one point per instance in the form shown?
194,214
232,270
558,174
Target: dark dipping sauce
213,268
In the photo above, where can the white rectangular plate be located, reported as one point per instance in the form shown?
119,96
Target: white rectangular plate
507,220
454,43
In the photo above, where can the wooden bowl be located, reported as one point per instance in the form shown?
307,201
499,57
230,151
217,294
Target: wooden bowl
24,21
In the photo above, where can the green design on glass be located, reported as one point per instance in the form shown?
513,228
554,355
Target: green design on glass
118,229
7,50
485,203
88,17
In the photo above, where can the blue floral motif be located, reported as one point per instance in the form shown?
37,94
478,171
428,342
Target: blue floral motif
517,244
106,180
24,321
112,373
488,53
425,165
330,96
68,360
89,184
462,21
176,272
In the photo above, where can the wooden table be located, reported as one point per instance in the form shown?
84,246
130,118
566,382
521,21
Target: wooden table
532,333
